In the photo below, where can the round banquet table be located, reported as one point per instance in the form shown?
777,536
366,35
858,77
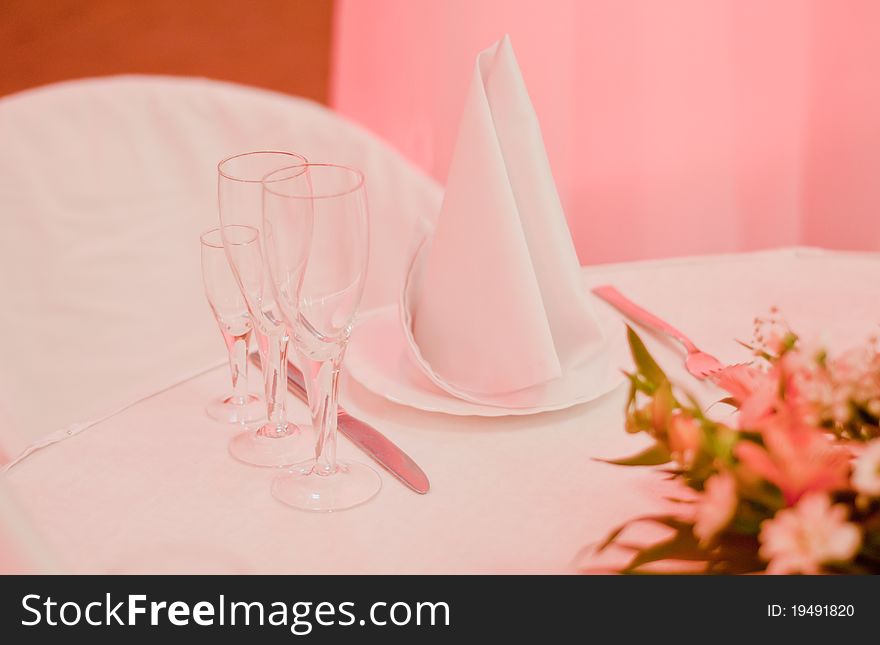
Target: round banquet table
152,488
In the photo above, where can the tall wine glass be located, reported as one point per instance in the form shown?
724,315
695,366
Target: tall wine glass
239,190
316,236
230,312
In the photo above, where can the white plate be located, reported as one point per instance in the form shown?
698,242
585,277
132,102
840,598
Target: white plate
379,358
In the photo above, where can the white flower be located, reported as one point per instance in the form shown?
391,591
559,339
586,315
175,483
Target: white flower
866,472
803,538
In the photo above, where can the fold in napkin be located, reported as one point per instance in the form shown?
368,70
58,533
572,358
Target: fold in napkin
498,304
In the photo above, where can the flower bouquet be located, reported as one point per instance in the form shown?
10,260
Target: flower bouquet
788,483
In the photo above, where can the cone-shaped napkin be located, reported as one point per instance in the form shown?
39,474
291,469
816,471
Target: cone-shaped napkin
495,302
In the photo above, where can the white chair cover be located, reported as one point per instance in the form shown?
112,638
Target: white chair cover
105,185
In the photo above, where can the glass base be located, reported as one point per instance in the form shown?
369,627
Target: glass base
268,448
351,485
231,409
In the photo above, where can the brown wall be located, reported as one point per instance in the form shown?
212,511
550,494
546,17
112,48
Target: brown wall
278,44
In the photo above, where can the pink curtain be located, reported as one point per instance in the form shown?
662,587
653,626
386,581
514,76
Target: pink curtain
674,127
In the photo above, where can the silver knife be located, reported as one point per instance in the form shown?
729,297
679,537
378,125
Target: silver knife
365,437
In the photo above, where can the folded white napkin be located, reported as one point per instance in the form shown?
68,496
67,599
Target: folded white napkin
495,302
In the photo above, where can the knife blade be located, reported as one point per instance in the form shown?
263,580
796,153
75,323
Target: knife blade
379,447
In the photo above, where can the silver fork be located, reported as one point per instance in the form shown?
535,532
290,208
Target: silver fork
698,362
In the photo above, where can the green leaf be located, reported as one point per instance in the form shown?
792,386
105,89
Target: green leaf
639,384
732,554
633,389
681,546
611,537
653,456
646,364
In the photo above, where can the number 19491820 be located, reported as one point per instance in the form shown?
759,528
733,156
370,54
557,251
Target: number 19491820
810,610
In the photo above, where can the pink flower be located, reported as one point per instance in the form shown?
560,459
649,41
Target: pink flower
866,473
716,507
798,459
740,381
761,404
685,438
762,395
812,534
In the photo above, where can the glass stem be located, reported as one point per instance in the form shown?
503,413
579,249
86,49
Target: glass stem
238,368
273,354
324,406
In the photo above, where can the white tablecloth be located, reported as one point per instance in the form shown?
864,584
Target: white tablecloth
153,487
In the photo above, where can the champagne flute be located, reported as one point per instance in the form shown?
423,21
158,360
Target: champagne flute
239,189
231,314
316,235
